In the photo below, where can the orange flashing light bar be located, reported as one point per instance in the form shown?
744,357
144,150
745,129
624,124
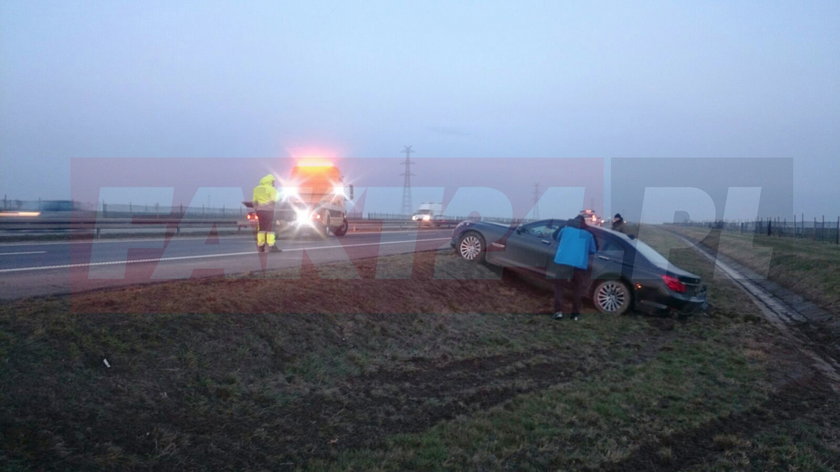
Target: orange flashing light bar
314,163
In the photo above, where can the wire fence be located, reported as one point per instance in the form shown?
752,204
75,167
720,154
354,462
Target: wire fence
817,229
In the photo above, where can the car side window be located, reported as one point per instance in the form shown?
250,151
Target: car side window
610,247
543,229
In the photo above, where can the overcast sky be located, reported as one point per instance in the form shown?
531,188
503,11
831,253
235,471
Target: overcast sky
454,79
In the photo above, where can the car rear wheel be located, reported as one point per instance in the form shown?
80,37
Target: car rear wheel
611,297
471,247
341,230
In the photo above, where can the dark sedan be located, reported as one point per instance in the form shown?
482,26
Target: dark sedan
626,273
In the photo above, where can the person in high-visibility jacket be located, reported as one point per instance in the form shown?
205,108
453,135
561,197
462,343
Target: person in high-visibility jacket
265,197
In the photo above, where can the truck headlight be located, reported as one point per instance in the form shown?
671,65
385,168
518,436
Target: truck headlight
303,217
290,192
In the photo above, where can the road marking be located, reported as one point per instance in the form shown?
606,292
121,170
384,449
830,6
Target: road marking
195,238
21,253
208,256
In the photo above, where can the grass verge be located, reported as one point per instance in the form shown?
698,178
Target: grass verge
450,368
810,268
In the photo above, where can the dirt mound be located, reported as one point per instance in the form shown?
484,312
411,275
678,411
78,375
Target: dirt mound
433,282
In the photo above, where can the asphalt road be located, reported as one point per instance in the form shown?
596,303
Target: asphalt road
52,268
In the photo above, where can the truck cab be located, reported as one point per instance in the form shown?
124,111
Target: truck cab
315,196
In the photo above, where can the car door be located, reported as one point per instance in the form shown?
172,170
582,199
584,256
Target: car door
613,258
532,246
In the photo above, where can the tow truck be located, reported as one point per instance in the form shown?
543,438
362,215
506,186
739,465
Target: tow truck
591,217
313,197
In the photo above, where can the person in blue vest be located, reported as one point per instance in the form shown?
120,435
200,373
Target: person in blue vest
574,250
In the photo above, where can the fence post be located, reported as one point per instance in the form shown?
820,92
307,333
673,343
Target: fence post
837,235
822,230
815,228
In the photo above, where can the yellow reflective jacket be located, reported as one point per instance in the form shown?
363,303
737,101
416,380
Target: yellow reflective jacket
265,194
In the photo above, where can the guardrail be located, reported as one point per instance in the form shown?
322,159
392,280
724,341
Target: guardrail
94,227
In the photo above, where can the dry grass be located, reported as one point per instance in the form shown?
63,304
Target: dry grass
810,268
448,369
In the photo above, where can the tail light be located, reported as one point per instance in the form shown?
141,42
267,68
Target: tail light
673,283
251,216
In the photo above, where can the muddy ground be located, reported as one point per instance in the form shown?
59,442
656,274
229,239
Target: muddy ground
276,371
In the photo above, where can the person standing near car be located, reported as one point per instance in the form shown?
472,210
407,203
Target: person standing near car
265,197
576,245
618,224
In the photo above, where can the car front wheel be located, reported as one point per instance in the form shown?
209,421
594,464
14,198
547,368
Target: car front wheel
611,297
471,247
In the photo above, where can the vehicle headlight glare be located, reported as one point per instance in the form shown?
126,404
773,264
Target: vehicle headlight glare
291,192
302,217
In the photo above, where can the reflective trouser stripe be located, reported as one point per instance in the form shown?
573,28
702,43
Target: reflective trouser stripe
261,238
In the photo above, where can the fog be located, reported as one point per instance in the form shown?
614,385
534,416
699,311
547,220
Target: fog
686,81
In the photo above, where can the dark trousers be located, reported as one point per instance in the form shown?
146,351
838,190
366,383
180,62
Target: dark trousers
265,220
576,285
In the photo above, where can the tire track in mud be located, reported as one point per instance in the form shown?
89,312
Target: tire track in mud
370,408
689,448
787,319
812,395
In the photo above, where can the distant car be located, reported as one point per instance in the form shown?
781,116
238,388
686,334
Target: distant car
250,220
626,273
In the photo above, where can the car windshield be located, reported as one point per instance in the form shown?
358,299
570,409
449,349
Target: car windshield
423,212
650,253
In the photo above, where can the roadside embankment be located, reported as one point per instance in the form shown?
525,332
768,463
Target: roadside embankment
808,268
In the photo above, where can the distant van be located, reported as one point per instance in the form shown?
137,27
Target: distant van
428,212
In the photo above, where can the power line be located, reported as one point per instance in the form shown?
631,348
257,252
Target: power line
406,200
